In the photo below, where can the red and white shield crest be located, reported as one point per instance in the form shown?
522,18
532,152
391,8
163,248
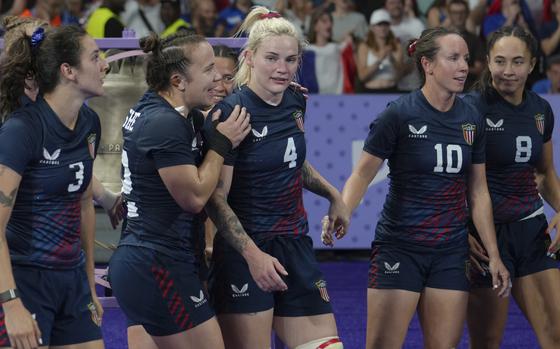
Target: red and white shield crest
298,117
322,287
91,144
539,120
469,132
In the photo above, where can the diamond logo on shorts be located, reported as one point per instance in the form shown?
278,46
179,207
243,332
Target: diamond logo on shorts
322,287
198,301
240,292
392,269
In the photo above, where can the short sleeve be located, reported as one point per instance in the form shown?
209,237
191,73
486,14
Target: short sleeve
548,123
169,141
226,109
96,129
383,133
16,143
479,142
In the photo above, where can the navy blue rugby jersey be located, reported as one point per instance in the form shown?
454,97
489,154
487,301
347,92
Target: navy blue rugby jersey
515,138
266,191
157,136
56,165
429,153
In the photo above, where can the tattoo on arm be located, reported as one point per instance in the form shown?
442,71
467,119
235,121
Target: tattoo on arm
313,182
9,199
227,222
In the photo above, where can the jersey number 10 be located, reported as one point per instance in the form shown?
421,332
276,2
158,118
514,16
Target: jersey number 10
454,158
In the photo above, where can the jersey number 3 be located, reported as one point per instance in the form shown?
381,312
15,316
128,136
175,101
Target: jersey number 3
77,184
290,155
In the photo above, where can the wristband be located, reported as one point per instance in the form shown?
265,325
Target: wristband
217,141
9,295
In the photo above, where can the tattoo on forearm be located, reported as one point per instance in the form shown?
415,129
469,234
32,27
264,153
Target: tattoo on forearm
220,184
227,223
312,182
9,199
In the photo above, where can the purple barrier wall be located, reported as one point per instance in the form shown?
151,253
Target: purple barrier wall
335,128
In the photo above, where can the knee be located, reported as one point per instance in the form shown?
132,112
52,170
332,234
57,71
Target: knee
323,343
550,337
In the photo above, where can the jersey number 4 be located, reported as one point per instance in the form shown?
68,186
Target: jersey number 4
454,158
290,155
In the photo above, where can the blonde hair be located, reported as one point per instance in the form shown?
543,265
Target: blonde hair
260,24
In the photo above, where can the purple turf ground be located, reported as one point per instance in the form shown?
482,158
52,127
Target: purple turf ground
347,289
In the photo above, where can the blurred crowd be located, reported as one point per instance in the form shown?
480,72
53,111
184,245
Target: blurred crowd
355,46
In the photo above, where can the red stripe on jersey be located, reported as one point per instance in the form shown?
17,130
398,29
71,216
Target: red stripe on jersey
328,343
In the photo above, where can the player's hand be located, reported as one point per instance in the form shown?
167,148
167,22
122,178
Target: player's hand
116,213
236,127
266,271
501,281
477,254
298,87
21,326
339,217
326,235
555,244
96,309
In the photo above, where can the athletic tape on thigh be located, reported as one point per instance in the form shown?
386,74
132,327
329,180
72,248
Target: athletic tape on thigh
323,343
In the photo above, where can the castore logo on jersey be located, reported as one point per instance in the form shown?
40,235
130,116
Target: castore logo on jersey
50,159
259,135
414,133
494,126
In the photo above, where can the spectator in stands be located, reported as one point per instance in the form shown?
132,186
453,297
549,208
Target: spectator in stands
510,13
549,33
170,13
230,19
326,55
298,12
346,21
73,12
405,28
550,85
12,7
411,9
458,12
143,16
48,10
105,22
380,56
204,18
437,14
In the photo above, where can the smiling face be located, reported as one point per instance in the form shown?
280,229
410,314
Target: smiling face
202,76
273,66
449,68
510,63
226,69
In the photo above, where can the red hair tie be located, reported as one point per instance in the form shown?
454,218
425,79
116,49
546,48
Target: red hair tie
269,15
412,47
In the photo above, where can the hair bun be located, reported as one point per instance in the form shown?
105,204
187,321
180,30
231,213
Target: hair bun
150,43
